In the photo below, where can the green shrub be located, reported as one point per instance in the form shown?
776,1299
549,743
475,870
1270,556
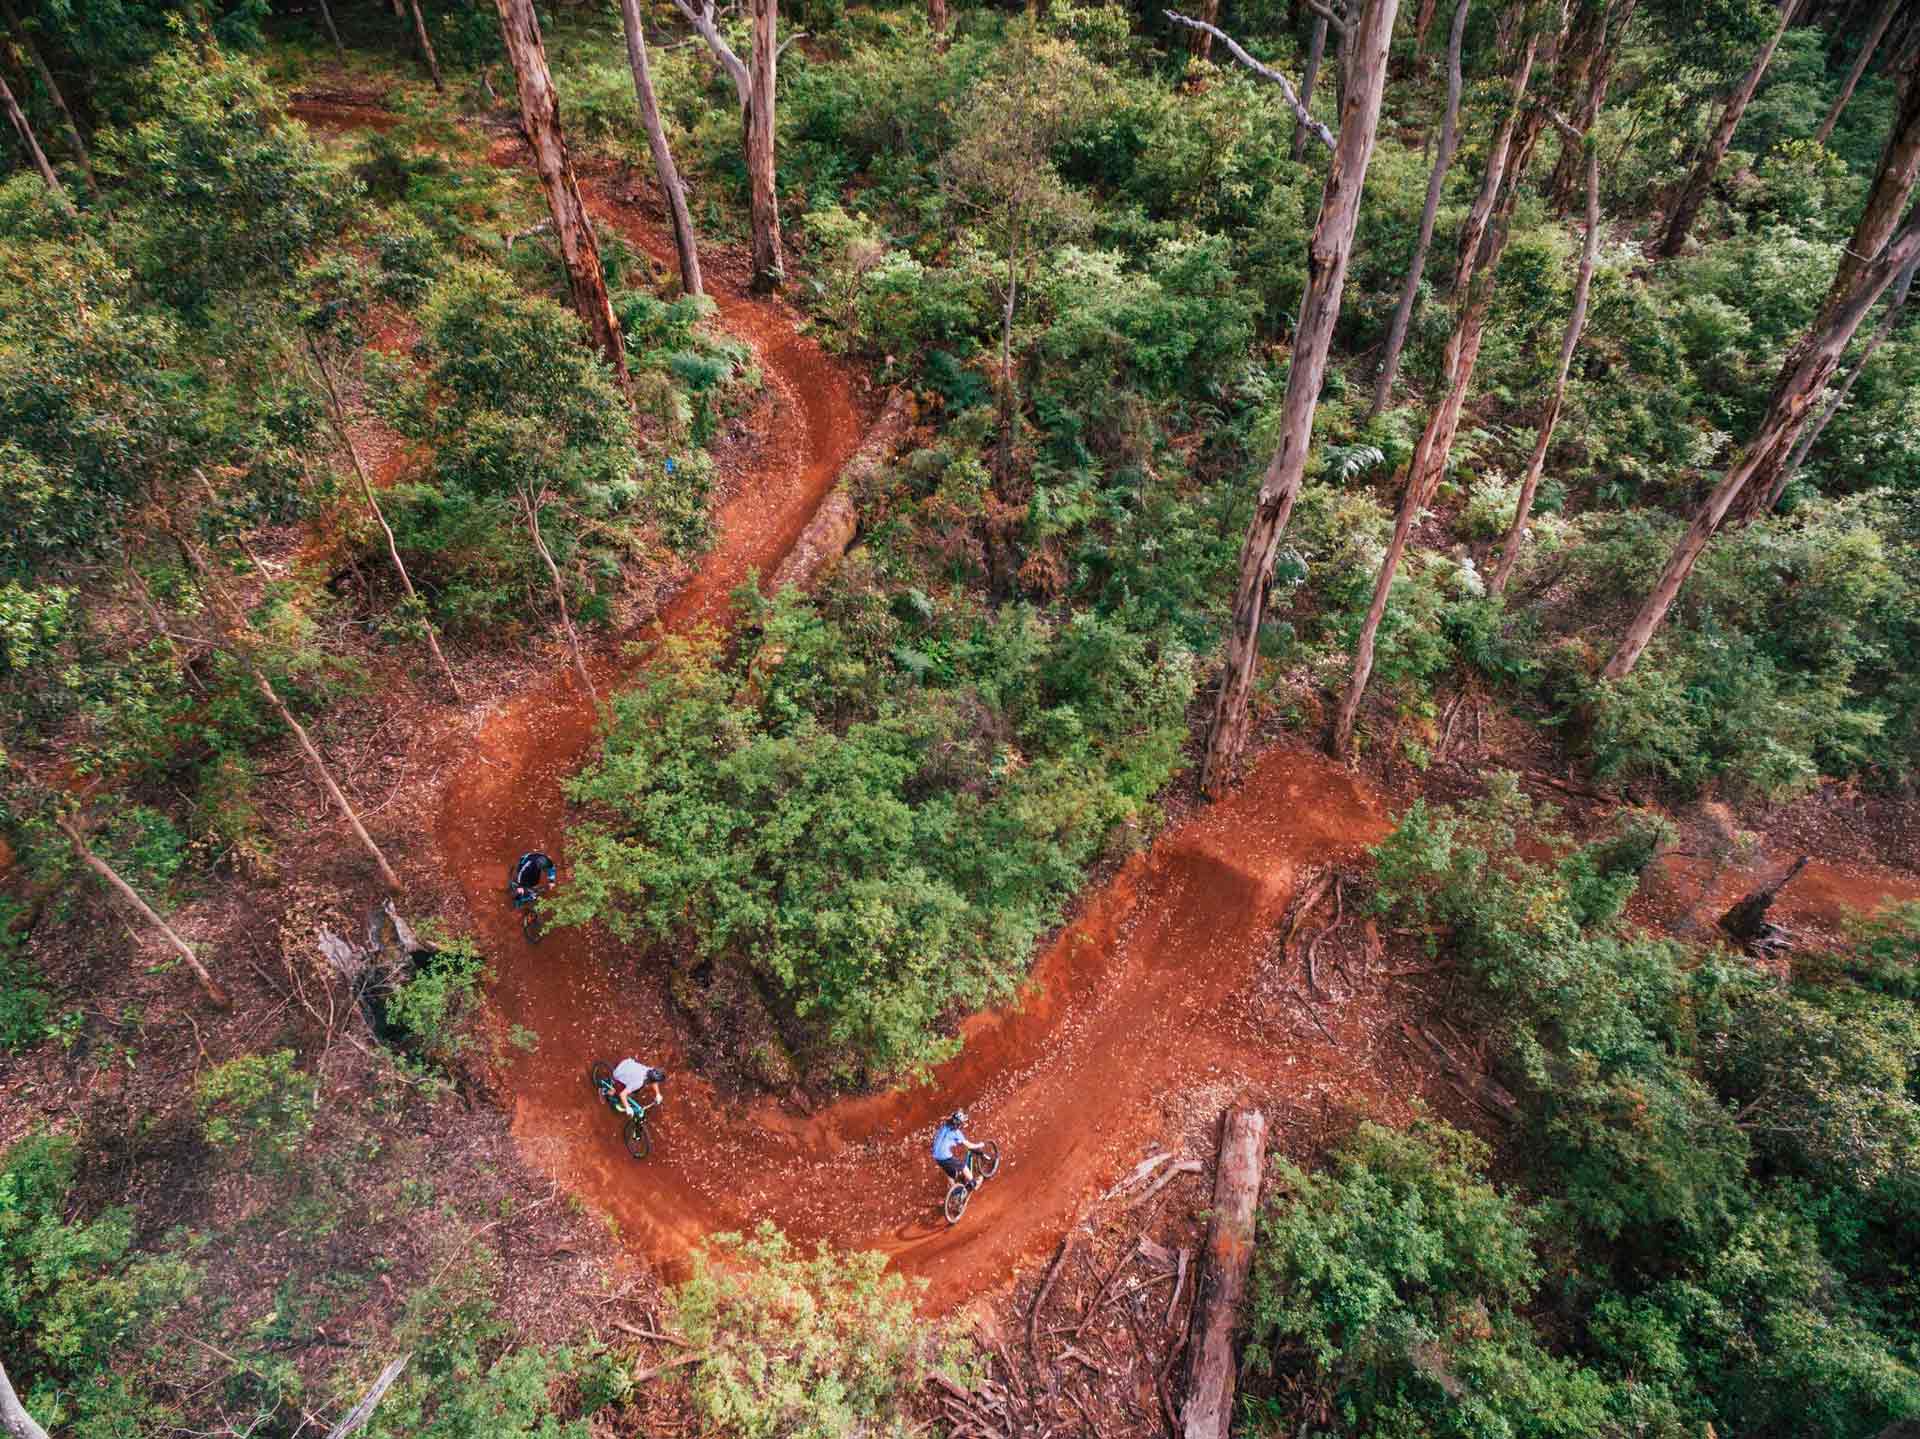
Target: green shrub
259,1107
805,1347
434,1010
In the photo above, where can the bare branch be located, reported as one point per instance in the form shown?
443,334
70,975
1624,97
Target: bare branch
1326,13
363,1411
796,35
705,27
1265,72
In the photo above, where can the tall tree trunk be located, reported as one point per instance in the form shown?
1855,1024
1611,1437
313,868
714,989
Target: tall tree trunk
1200,42
1499,150
14,1419
1693,193
338,410
34,152
1316,49
531,509
1222,1280
52,87
1327,252
1599,74
1436,187
1487,232
937,19
1009,396
1422,22
763,200
1802,378
1887,197
326,14
1869,44
1896,303
1576,322
420,38
671,189
216,993
540,113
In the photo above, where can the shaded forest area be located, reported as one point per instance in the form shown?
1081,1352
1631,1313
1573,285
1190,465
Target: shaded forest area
1515,400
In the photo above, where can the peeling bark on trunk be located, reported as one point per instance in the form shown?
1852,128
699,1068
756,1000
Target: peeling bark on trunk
41,68
1222,1284
338,412
1804,375
1860,62
1436,187
1327,253
671,188
34,152
1887,198
14,1418
1693,192
763,201
216,993
1810,437
421,39
1316,50
540,113
1200,42
532,512
1576,322
937,19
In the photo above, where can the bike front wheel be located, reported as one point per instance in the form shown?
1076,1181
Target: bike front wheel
956,1204
639,1142
988,1160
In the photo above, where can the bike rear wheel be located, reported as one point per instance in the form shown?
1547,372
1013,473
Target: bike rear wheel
639,1142
956,1204
532,927
600,1073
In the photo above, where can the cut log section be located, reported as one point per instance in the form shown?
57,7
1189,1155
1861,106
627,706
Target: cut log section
1224,1266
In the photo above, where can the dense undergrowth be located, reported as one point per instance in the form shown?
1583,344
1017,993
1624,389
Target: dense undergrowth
875,799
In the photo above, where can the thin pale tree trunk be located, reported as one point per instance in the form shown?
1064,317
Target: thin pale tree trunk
249,640
14,1419
540,113
763,199
1316,50
1488,234
34,152
1499,153
45,72
216,993
1887,197
421,39
1576,322
532,512
671,189
338,410
1436,187
1327,253
1693,193
1860,62
326,14
1811,436
1802,379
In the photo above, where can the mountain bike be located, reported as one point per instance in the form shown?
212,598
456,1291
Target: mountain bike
639,1143
981,1166
533,927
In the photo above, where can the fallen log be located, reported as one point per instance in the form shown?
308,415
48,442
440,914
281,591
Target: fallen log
1224,1266
1747,920
358,1416
834,526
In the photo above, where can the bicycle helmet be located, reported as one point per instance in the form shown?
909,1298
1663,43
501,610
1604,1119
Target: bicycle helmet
656,1076
958,1119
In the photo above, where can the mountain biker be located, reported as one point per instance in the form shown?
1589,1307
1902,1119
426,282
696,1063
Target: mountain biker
530,871
951,1136
631,1074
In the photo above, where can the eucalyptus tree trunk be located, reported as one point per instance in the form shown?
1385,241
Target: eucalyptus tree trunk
1576,322
216,993
1868,45
1802,378
540,113
1486,233
15,1422
337,409
326,14
1598,74
1200,42
1887,197
34,152
1327,253
937,19
52,86
421,39
763,200
1896,303
530,507
1693,192
671,189
1316,50
1436,187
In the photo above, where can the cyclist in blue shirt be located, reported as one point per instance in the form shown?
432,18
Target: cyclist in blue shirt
950,1138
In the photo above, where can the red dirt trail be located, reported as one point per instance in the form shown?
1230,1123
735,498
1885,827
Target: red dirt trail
1141,999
